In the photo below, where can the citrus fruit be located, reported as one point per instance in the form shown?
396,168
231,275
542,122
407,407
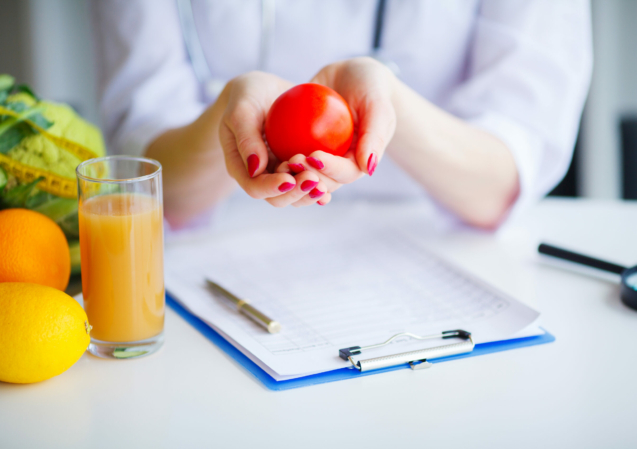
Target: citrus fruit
43,332
33,249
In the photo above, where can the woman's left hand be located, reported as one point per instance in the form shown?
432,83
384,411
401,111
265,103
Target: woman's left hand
367,86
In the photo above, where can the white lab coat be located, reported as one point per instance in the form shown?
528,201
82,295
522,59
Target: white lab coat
519,69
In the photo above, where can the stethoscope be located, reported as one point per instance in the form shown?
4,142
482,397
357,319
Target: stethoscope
213,86
628,290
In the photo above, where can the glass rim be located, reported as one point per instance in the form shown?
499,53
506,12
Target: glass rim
121,158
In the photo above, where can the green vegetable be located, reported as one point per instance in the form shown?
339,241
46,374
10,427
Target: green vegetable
35,150
27,90
14,129
70,224
74,249
56,208
4,178
18,196
61,210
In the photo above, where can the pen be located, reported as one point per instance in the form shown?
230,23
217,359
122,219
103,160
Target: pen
244,307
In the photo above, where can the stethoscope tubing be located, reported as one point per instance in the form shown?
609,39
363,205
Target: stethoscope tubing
202,70
628,293
560,253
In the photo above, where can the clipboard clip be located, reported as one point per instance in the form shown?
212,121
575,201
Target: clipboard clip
416,359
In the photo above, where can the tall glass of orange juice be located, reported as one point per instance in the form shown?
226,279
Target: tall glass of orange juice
122,252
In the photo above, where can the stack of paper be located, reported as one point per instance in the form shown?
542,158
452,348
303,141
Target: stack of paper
346,280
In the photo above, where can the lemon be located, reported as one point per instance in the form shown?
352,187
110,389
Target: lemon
43,332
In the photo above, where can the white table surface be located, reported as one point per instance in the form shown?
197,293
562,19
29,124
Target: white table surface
580,391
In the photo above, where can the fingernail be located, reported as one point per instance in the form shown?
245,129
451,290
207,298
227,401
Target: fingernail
308,185
316,193
320,204
286,187
298,168
253,164
371,164
314,162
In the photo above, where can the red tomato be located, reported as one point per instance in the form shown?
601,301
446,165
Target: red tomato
307,118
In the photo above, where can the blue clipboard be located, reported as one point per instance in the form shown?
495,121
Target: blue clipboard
340,374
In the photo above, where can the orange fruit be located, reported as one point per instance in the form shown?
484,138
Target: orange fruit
33,249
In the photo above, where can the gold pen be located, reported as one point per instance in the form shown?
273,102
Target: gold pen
244,307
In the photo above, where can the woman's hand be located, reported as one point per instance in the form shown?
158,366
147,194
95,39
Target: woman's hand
464,168
248,160
367,87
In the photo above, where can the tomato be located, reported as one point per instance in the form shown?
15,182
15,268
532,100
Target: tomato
307,118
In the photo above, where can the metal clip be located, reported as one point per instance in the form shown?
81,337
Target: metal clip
423,364
416,359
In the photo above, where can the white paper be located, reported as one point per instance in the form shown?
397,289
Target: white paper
340,283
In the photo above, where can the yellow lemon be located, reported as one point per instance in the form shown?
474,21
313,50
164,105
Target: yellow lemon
43,332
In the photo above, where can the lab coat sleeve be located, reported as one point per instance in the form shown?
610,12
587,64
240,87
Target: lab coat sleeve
146,82
527,79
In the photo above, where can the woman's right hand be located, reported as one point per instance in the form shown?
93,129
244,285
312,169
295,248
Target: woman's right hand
248,160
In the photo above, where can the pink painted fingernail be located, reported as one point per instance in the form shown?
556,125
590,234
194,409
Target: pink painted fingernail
371,164
308,185
286,187
316,193
253,164
298,168
320,204
314,162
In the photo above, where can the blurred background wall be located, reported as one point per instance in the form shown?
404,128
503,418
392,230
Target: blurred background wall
47,44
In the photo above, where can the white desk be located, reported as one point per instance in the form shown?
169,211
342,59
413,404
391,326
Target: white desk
580,391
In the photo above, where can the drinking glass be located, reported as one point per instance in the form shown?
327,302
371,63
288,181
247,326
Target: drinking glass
122,251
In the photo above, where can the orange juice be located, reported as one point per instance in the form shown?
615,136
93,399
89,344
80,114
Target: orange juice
122,249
